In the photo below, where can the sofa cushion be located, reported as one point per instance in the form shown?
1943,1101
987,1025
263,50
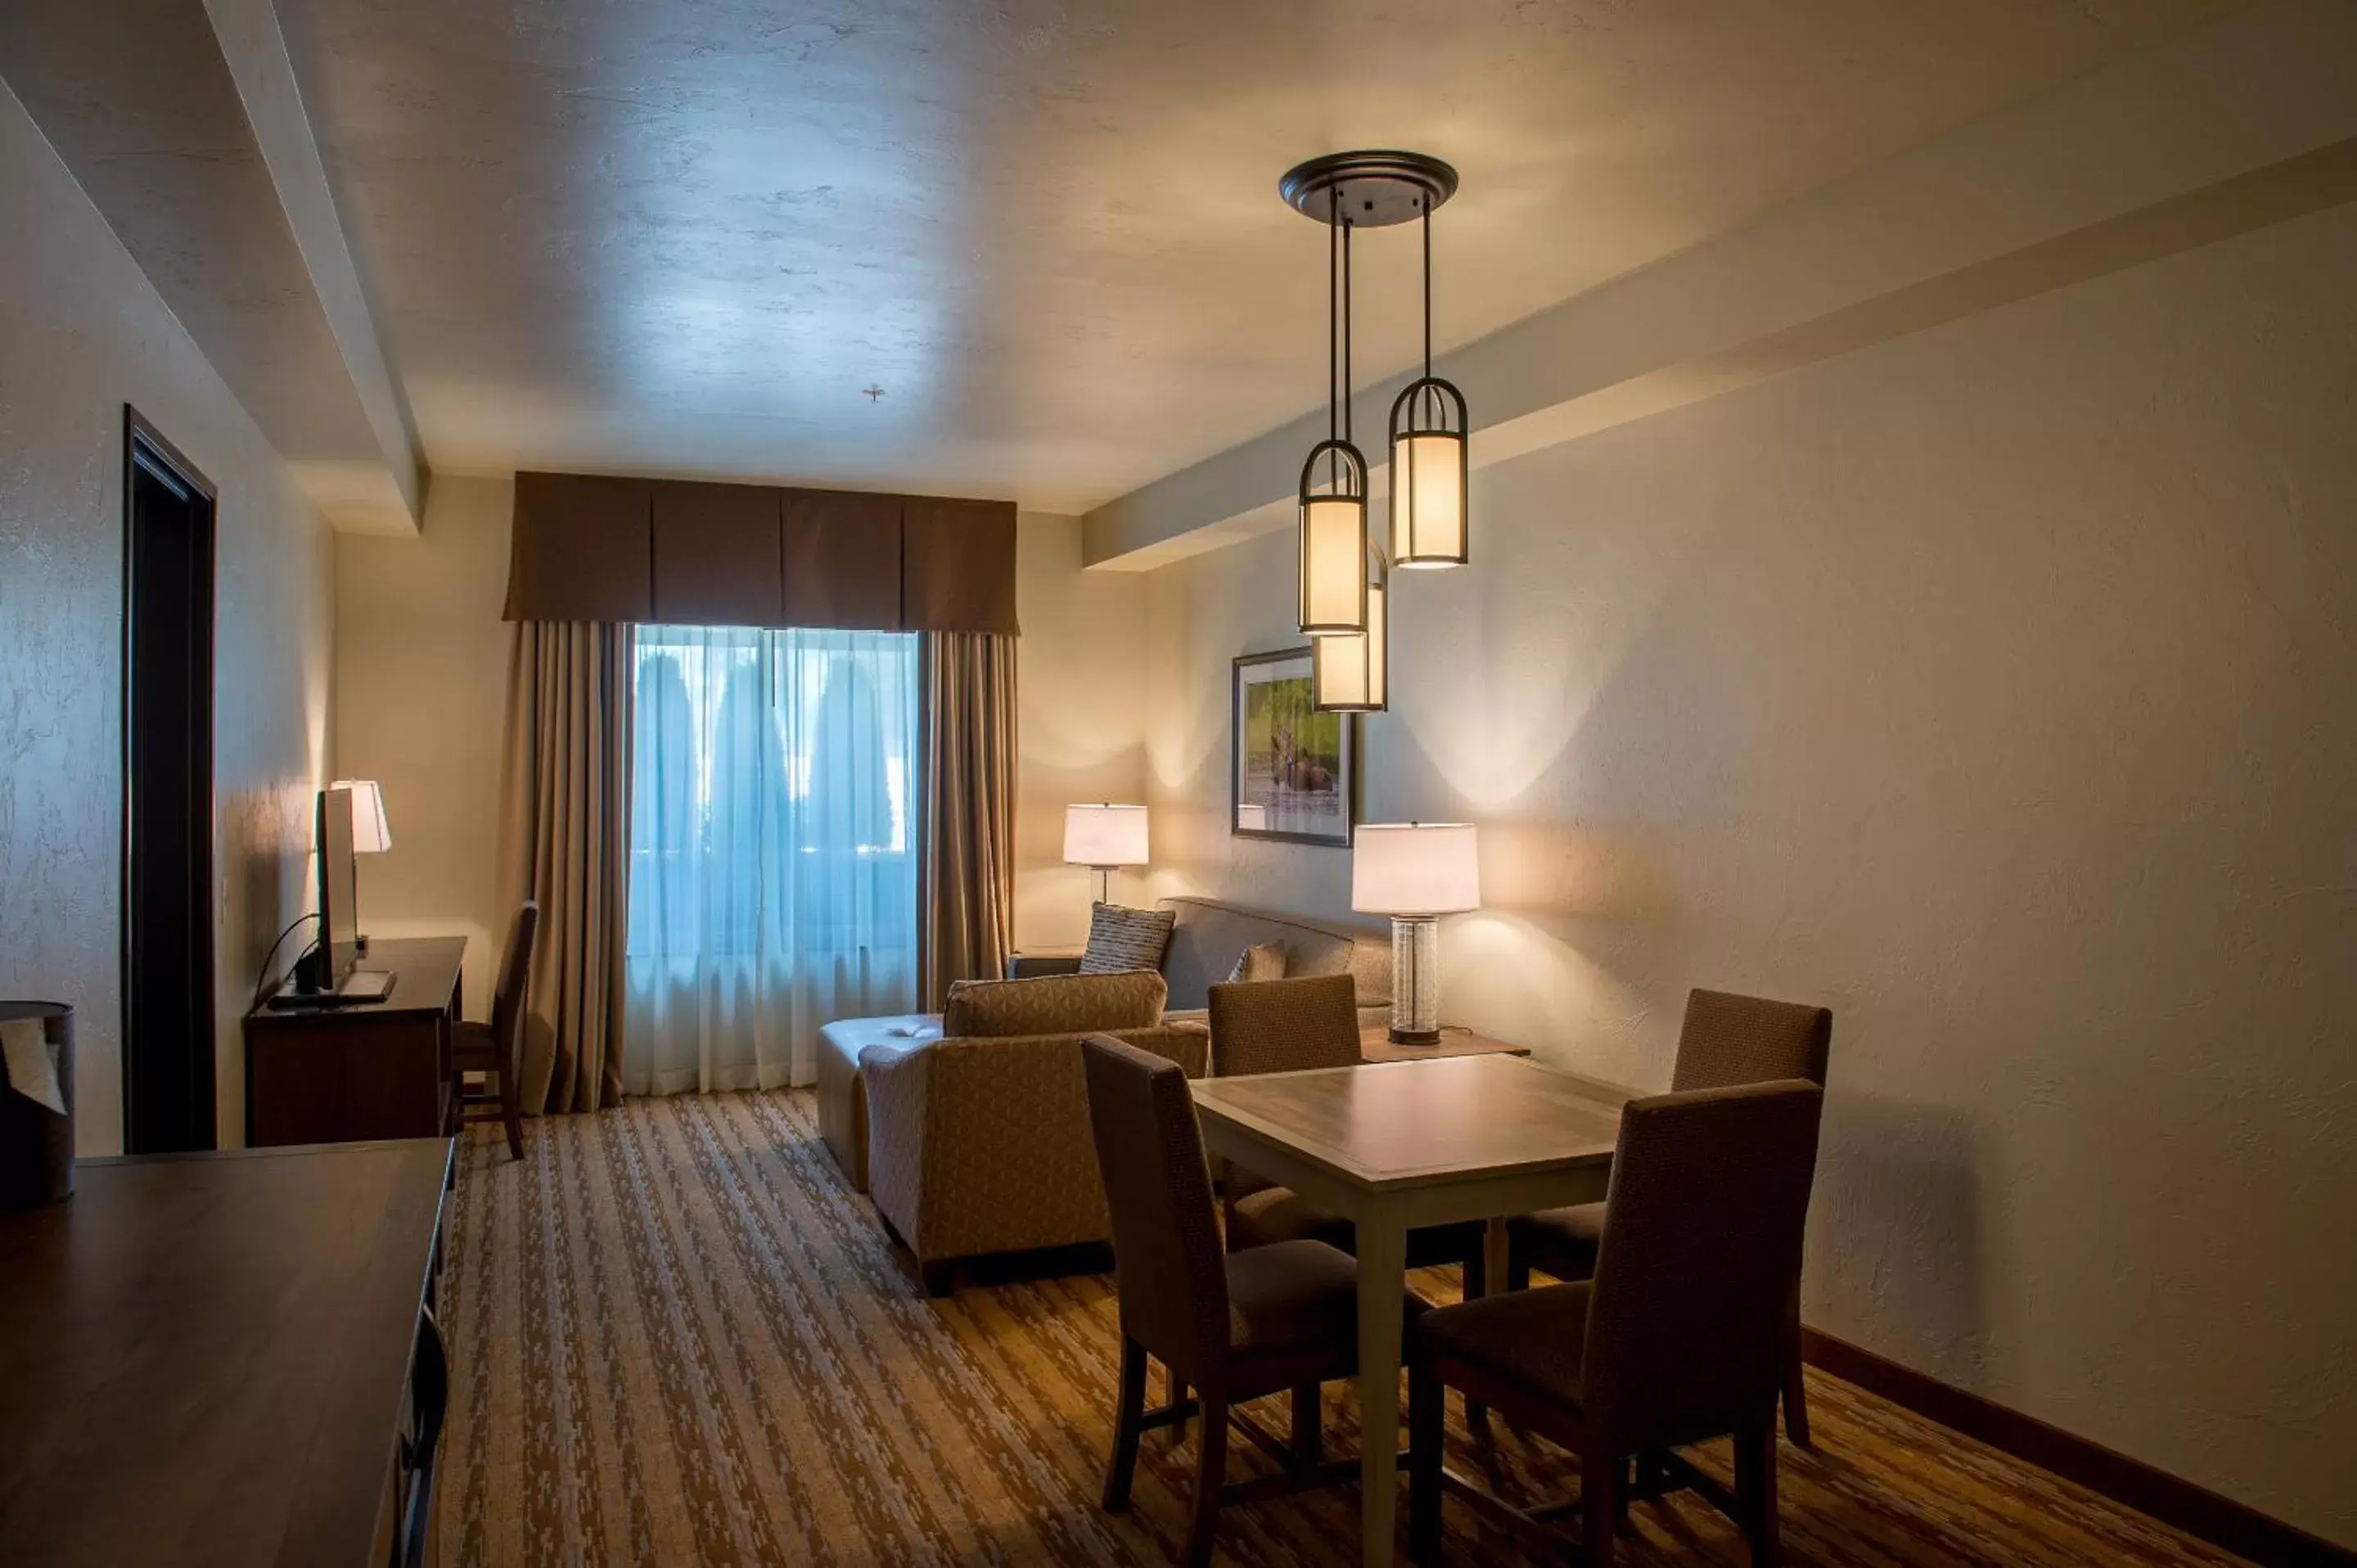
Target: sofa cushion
1209,936
1054,1004
1122,939
1262,961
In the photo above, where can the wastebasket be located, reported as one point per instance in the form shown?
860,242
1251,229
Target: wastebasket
37,1131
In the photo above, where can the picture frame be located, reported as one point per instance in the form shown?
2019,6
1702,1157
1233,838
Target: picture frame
1292,770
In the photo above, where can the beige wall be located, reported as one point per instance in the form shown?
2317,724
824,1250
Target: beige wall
421,684
421,699
1993,686
82,334
1081,717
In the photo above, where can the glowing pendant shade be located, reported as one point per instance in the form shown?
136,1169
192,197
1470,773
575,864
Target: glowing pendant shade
1428,461
1349,674
1334,543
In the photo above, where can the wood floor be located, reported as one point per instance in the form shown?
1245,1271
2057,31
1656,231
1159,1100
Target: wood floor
677,1338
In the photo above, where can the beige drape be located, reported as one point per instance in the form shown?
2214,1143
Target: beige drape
965,860
564,841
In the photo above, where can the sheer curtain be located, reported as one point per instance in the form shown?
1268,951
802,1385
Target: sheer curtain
773,872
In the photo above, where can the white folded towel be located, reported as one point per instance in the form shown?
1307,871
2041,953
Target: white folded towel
32,1069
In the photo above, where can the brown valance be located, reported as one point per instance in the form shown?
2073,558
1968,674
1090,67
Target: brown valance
682,552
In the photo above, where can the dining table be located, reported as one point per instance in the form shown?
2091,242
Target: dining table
1394,1146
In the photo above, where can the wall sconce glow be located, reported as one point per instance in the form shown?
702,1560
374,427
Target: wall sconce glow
1349,674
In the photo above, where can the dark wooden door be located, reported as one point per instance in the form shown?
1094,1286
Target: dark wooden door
167,816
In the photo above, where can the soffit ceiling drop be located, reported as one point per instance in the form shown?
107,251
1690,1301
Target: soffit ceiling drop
684,237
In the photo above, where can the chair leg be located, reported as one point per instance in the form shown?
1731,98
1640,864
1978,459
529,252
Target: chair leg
1128,1425
1177,1397
1210,1478
512,1112
1518,1274
1307,1442
1796,1388
1427,1413
1476,1275
1599,1506
1755,1490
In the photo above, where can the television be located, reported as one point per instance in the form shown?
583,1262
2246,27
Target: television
338,912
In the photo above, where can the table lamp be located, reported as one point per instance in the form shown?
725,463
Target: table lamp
1415,872
371,833
1103,836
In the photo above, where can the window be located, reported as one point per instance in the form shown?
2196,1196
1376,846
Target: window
772,848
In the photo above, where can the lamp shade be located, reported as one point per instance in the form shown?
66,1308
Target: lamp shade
1415,868
1105,835
371,835
1347,673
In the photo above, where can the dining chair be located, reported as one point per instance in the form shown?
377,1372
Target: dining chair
1678,1337
1725,1040
1296,1025
496,1049
1234,1326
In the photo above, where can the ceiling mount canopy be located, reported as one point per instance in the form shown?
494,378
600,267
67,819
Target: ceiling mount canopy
1368,190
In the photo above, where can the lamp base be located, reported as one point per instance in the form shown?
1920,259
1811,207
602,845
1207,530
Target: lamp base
1416,980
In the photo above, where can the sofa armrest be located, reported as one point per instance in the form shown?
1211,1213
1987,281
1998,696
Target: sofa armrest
1031,966
897,1080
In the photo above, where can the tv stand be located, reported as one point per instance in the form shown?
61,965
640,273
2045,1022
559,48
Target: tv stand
331,1069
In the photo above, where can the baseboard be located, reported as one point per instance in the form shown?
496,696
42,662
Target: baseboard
2196,1510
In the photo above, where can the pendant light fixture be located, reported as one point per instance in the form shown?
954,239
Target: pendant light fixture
1429,465
1333,495
1345,571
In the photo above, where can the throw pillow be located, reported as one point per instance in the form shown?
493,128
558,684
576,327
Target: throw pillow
1122,939
1266,962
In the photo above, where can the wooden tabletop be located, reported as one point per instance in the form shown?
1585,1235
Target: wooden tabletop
204,1358
426,976
1406,1123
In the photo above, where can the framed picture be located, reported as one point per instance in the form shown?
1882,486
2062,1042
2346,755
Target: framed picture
1292,771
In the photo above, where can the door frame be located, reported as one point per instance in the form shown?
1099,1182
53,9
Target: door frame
145,447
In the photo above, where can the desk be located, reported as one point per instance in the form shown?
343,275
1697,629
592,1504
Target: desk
224,1359
375,1070
1397,1145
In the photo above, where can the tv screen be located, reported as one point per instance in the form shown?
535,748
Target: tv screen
339,917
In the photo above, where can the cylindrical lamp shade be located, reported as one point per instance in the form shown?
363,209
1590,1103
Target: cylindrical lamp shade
1347,674
371,833
1105,835
1428,500
1333,566
1415,868
1430,476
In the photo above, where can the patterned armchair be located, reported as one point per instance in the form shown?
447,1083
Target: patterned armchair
978,1140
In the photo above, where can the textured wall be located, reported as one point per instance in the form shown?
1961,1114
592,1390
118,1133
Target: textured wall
421,699
421,694
1993,686
81,333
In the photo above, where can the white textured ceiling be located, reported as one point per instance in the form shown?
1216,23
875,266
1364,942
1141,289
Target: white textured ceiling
682,236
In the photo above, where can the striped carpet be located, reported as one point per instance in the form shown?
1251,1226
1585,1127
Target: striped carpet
677,1338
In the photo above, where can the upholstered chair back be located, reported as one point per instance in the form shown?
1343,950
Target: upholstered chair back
1729,1039
1701,1242
1171,1273
515,977
1283,1025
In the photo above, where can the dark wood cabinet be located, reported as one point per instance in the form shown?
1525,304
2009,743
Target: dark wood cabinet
225,1359
374,1070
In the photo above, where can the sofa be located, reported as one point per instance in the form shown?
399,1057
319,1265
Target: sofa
1207,938
970,1130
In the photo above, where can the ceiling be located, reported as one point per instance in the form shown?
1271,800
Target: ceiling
682,236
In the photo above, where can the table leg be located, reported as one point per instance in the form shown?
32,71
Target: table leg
1495,1253
1383,1283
